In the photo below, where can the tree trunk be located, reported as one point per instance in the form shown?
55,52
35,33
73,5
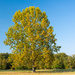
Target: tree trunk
33,69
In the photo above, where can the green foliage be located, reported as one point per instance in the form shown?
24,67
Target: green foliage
63,61
59,62
4,61
73,59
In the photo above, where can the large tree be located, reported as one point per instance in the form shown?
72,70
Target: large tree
31,37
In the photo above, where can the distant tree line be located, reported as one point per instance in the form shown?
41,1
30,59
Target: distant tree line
61,61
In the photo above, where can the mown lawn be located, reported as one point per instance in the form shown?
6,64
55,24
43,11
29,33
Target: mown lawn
39,72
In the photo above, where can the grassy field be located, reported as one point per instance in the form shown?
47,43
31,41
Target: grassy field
39,72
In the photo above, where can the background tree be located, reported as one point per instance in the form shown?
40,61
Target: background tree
4,61
31,37
60,61
73,59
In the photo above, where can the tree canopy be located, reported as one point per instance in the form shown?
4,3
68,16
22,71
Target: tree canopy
31,38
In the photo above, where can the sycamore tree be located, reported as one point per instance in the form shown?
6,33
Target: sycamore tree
31,38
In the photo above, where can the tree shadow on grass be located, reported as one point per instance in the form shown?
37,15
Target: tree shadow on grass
55,71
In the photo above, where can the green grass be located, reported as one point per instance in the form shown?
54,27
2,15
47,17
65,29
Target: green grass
39,72
55,70
15,70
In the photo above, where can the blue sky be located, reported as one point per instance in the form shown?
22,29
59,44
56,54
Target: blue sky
61,14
